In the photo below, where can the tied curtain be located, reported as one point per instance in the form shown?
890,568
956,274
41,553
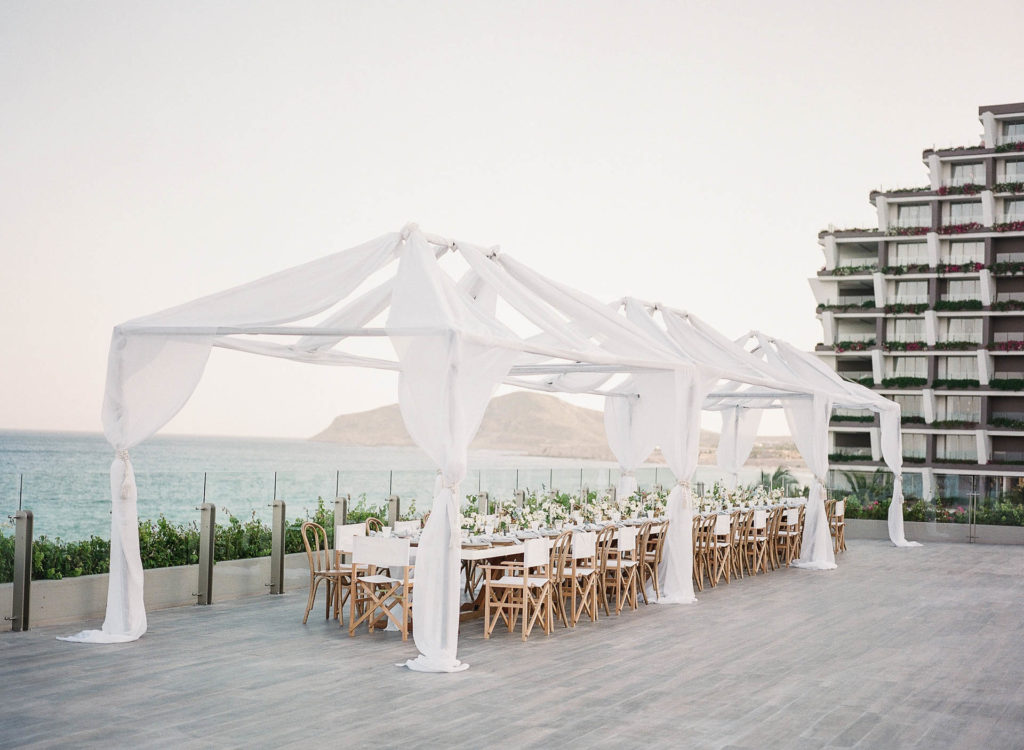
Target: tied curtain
739,430
892,452
445,383
630,424
808,424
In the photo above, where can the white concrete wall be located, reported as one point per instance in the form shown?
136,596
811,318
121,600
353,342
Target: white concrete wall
923,531
75,600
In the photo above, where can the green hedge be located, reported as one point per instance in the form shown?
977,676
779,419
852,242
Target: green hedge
950,510
163,544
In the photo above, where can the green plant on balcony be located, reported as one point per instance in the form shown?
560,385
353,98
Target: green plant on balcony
1009,304
961,228
970,188
854,270
842,458
905,346
958,304
913,459
853,346
952,424
908,268
907,231
1008,268
907,307
1002,148
865,305
1007,384
961,345
955,383
1010,226
866,381
851,418
1010,424
1007,346
972,267
925,189
1008,187
911,419
950,460
903,382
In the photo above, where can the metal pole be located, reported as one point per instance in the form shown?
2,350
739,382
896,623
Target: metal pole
972,510
517,479
551,479
22,570
204,486
391,481
392,510
277,549
275,487
21,488
207,532
337,482
483,502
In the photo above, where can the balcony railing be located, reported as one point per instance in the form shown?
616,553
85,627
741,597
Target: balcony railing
1014,416
855,299
858,451
912,221
1010,177
959,417
852,413
1009,296
1010,258
868,338
1007,375
959,457
999,336
1007,457
1002,140
1009,218
909,260
974,178
911,299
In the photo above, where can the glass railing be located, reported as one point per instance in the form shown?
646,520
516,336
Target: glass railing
912,221
855,299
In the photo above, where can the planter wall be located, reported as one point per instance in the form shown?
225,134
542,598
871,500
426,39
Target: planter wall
74,600
923,531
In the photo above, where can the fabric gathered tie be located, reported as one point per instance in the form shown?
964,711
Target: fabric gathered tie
128,483
629,473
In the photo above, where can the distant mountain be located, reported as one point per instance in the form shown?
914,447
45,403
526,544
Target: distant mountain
533,424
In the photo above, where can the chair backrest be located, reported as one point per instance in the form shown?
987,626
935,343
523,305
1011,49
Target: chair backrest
660,543
315,539
627,539
410,526
840,508
535,553
560,551
603,543
723,523
792,516
383,552
584,544
760,519
343,534
374,524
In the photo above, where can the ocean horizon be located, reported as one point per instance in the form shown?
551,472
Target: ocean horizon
63,477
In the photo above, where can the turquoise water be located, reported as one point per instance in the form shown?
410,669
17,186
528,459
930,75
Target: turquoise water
63,477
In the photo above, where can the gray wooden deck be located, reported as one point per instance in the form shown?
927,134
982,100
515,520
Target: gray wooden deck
896,649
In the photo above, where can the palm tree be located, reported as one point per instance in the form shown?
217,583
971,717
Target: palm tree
874,487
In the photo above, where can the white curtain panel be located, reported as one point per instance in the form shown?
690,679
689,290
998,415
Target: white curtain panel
808,423
445,383
630,424
736,441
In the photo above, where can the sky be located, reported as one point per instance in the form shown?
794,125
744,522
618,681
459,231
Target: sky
682,152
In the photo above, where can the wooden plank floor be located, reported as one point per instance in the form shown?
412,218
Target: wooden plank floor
898,648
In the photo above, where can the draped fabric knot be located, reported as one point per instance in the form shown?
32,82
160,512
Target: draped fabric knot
409,229
128,482
629,474
684,483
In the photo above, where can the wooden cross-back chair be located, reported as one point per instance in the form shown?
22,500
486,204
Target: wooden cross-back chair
515,590
650,558
321,568
620,564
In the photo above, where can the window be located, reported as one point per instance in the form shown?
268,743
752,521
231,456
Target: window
965,289
908,367
1013,209
905,329
913,445
910,406
914,215
907,253
964,174
966,252
965,213
1014,170
1013,131
956,447
911,292
964,329
959,408
958,368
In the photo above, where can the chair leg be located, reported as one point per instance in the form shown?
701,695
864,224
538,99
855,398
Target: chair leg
313,583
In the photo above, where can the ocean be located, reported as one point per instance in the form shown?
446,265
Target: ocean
63,477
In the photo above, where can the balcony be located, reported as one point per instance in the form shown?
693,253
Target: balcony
957,457
1005,140
1007,457
973,178
855,300
911,222
1007,420
843,454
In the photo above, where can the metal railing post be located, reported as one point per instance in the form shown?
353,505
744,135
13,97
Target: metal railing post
520,498
341,510
277,549
393,504
22,570
613,492
207,532
483,503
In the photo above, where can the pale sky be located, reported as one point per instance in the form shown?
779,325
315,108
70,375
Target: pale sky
683,152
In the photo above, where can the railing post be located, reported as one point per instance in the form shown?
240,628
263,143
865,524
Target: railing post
613,492
341,510
393,503
277,549
207,531
483,503
22,570
520,498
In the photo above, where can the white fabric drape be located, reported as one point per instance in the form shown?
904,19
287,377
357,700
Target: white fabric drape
808,423
892,452
445,383
629,425
739,431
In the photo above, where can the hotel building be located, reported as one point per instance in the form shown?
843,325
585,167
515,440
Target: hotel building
928,309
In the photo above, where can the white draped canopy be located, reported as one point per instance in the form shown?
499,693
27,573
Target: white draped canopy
453,347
